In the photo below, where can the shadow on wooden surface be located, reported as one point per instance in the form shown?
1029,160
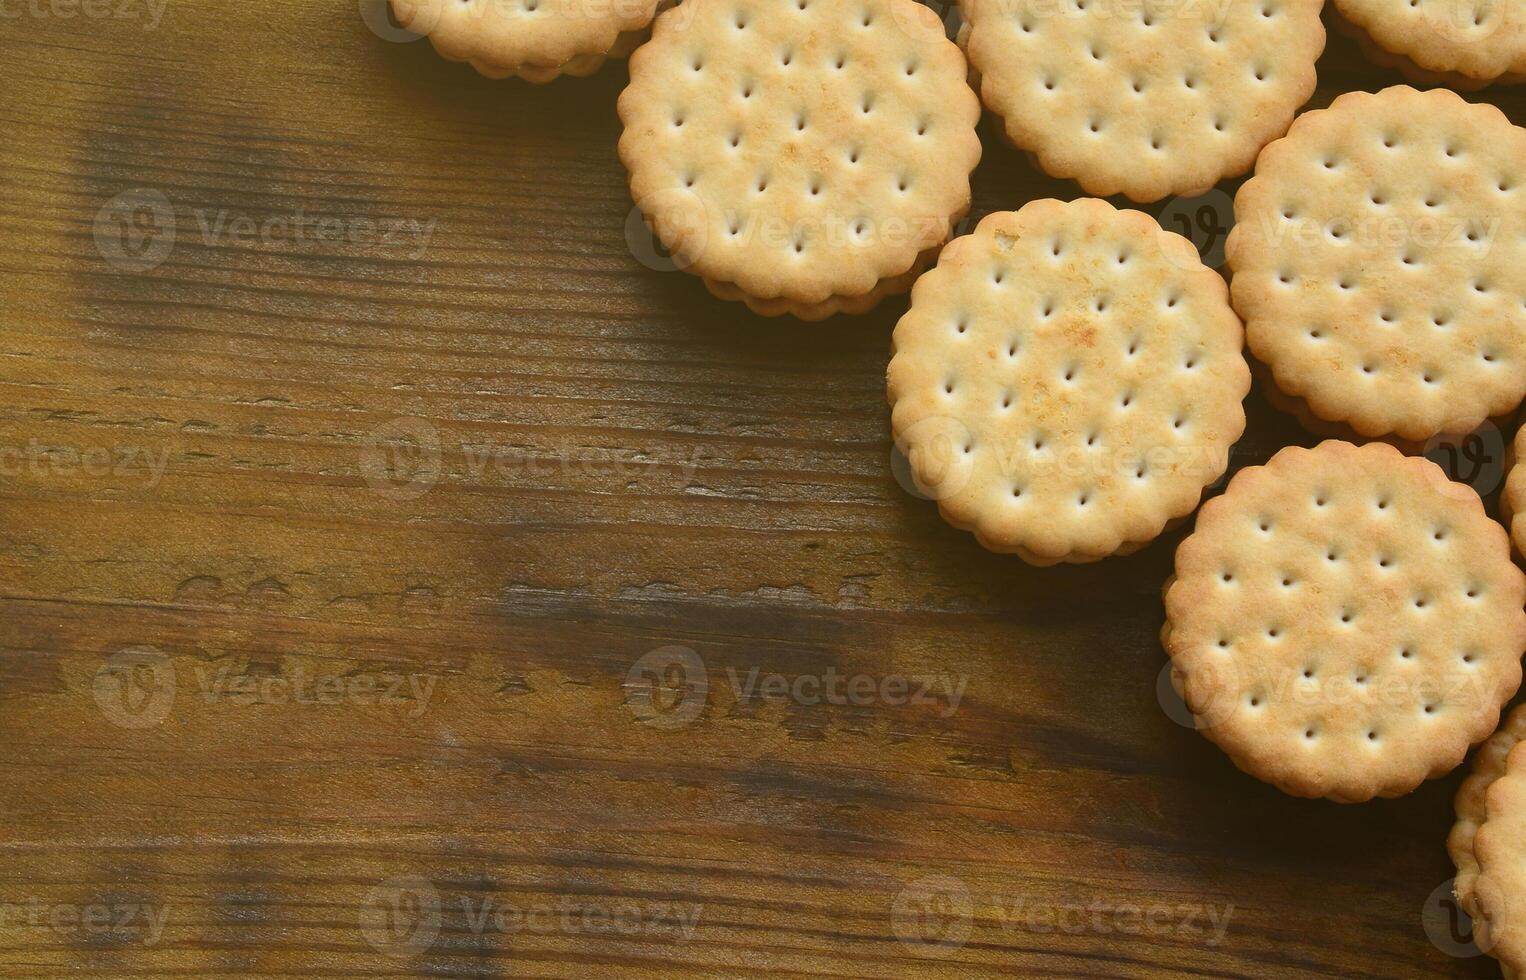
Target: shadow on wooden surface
402,576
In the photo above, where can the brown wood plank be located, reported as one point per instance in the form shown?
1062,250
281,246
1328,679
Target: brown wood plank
397,519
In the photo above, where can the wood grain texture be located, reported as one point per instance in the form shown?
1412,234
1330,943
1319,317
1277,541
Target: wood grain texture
493,466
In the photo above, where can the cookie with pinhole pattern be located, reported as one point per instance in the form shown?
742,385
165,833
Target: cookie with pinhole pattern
1379,263
1146,98
1067,381
1346,621
1471,803
1421,77
537,40
1512,501
803,156
1497,901
1483,41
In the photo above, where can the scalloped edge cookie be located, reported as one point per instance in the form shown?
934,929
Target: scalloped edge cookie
889,241
1469,804
1002,74
614,31
1191,458
1202,682
1448,50
1255,246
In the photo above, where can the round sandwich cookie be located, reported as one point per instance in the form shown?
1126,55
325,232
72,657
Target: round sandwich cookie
803,156
537,40
1483,41
1146,99
1384,58
1345,621
1495,891
1512,502
1379,263
1067,381
1488,765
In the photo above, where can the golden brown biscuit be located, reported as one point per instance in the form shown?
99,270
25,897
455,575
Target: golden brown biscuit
1067,381
1498,891
1146,98
804,156
1379,261
1479,39
1346,621
1425,78
1470,804
537,40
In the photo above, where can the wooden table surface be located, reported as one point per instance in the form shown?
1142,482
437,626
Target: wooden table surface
402,573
